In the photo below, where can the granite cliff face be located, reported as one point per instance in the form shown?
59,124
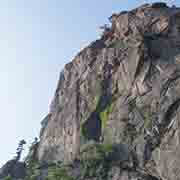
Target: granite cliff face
116,108
122,88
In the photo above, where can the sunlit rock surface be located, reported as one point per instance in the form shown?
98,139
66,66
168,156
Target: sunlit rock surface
123,90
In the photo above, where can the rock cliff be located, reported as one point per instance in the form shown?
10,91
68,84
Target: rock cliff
122,88
116,108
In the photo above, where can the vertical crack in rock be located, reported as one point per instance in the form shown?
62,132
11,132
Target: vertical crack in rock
93,125
168,116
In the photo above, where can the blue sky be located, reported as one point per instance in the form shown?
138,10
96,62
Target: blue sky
37,38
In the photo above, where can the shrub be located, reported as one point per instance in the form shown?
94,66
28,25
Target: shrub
58,173
83,130
32,170
94,159
8,177
119,44
105,114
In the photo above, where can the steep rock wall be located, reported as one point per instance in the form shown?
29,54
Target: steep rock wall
122,88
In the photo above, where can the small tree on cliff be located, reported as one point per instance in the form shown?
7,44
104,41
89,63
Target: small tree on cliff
20,149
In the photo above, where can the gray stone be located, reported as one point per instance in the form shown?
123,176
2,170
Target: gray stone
17,170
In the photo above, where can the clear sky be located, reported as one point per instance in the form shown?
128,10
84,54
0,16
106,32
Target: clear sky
37,37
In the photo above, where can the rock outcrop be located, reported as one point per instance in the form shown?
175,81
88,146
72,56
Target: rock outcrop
14,169
122,88
116,110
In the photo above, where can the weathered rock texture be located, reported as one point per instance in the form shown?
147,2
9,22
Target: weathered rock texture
123,88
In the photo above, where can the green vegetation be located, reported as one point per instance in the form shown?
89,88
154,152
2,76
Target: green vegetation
96,101
109,135
94,160
107,148
105,114
94,150
8,177
32,164
32,171
147,118
119,44
102,111
83,130
58,173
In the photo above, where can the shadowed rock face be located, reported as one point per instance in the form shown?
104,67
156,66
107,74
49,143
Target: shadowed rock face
15,169
123,88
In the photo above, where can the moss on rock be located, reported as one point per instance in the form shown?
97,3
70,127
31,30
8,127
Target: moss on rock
118,44
104,115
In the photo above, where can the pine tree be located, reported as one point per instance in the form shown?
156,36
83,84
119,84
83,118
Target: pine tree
20,149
